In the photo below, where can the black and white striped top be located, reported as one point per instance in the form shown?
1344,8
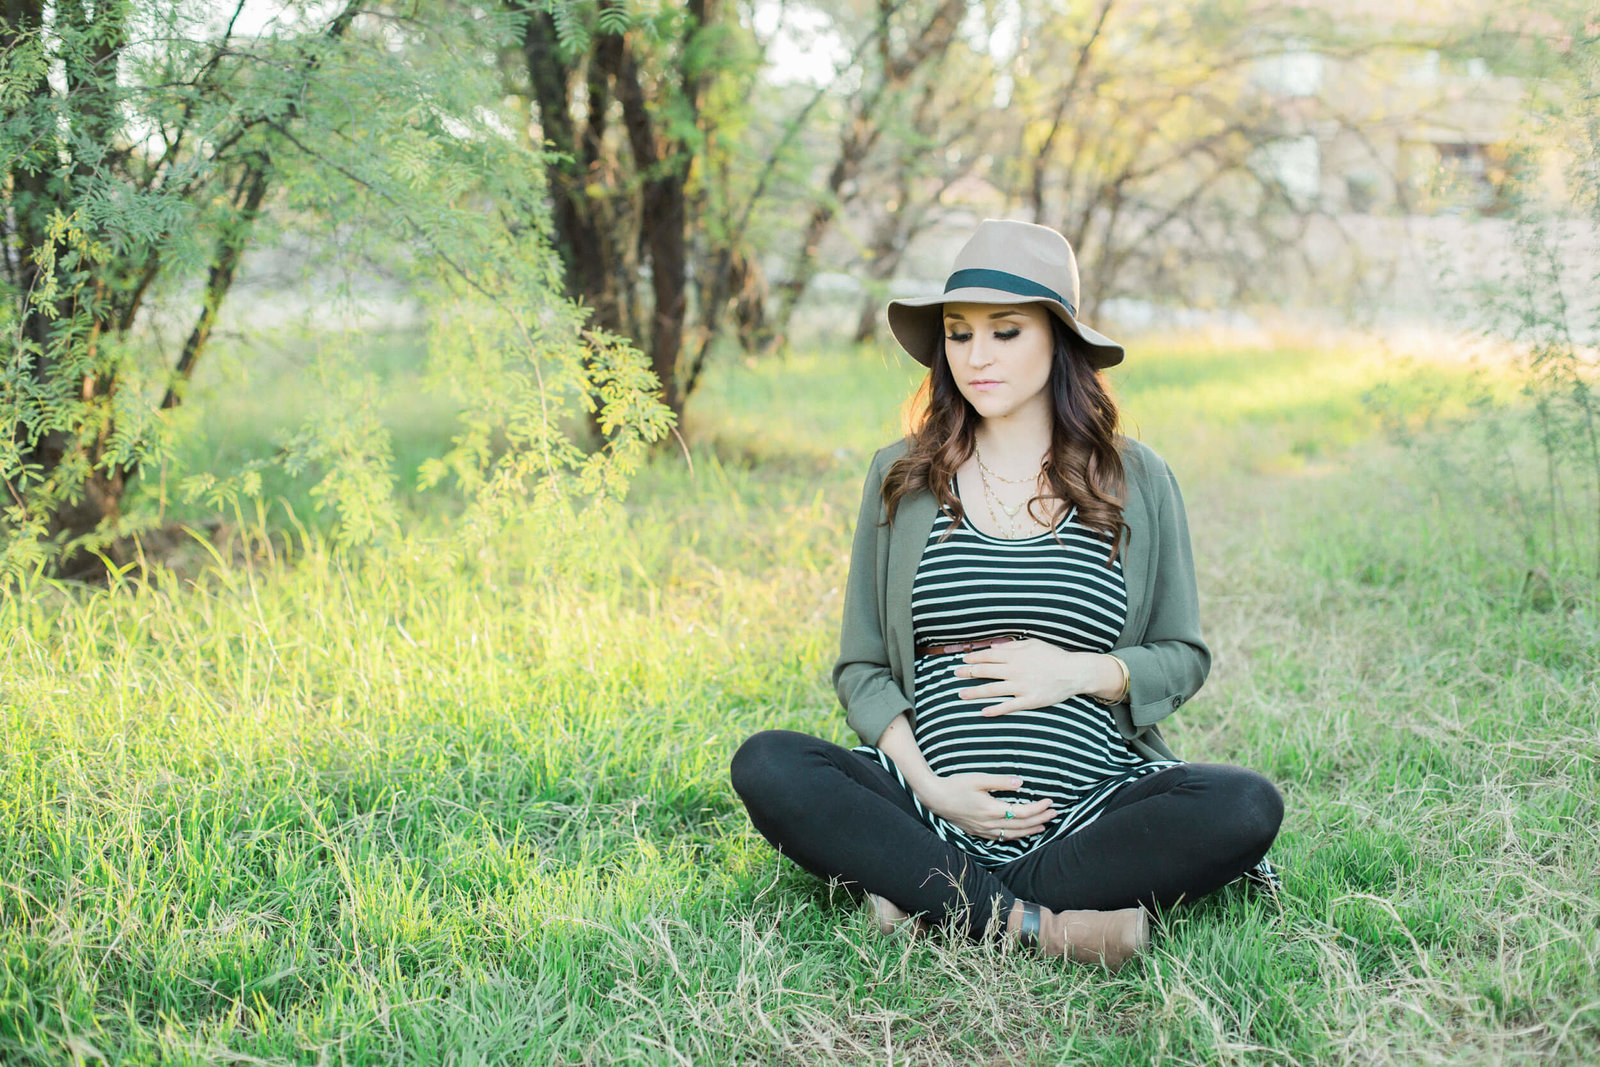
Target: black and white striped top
973,586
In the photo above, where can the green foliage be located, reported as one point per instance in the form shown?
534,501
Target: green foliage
374,139
428,176
577,22
570,29
1531,453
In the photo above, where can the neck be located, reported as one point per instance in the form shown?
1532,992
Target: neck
1012,445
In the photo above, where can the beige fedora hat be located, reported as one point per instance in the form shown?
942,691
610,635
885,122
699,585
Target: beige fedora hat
1004,262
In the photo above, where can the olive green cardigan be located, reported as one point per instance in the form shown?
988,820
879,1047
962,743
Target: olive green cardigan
1160,642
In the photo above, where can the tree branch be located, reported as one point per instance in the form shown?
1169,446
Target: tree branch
219,279
1068,96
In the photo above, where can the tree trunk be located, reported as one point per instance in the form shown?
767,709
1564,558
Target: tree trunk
83,487
861,134
585,239
72,326
900,222
1065,98
219,278
884,254
663,216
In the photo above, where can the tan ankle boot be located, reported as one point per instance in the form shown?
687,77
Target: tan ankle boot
891,917
1110,938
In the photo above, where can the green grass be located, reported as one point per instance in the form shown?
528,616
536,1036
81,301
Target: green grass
413,807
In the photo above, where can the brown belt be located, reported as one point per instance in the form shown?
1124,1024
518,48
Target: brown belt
961,647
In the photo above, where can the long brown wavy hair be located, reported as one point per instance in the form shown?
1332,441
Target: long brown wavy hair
1084,467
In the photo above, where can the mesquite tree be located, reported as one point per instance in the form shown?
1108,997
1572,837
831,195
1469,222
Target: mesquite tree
124,168
909,42
638,103
146,145
1160,137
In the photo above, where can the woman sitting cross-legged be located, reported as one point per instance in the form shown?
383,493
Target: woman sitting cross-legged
1020,613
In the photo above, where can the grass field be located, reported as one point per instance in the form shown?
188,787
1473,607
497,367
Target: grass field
400,807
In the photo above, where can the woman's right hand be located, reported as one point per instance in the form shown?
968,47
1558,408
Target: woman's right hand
966,801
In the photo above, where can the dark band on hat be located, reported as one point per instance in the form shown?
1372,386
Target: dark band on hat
984,278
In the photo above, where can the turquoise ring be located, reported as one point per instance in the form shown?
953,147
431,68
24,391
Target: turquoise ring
1009,815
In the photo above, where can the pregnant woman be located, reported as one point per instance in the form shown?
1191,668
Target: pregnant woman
1020,613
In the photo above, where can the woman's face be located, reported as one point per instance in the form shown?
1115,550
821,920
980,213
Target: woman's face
1000,356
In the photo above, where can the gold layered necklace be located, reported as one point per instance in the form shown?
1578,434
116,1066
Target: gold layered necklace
991,497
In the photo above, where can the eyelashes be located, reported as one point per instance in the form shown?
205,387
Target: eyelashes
1002,335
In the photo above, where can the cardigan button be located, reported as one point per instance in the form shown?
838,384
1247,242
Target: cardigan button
1176,701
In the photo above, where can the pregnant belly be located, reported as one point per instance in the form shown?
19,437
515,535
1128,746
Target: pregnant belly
1058,751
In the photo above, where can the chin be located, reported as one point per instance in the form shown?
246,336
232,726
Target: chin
988,408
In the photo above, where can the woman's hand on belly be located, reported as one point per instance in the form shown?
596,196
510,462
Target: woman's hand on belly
965,800
1035,674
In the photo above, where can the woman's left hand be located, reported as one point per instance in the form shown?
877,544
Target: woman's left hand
1031,673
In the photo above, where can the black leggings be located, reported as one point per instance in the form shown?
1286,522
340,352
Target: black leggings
1171,836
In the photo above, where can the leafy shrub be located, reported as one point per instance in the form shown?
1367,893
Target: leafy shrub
148,148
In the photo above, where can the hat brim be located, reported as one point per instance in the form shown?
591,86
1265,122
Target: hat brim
917,322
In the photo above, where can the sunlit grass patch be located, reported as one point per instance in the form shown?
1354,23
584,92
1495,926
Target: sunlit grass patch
1280,408
434,806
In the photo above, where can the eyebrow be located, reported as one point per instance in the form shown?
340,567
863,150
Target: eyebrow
993,314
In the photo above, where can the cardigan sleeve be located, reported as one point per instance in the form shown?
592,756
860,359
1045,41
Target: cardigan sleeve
1172,662
866,686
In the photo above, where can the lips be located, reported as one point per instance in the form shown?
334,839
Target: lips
983,383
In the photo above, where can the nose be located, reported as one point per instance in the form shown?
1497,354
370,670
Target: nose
981,353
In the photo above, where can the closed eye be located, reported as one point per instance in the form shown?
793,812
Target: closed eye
1006,335
958,338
